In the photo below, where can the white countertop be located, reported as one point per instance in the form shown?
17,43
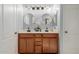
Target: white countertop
24,31
37,32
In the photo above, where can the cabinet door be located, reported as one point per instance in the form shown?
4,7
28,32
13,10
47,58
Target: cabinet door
50,45
30,45
22,46
38,49
46,45
53,45
26,45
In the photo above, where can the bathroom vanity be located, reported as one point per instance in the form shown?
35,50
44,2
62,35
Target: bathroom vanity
40,29
38,43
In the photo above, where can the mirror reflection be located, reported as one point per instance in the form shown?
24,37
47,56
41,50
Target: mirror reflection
39,20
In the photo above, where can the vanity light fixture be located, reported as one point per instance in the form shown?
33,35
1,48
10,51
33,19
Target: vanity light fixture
42,8
33,8
38,8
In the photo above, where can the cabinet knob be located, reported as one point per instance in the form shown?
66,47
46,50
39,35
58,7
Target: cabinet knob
15,32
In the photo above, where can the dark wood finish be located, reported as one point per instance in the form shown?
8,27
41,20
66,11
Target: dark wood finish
53,45
26,35
22,48
49,35
38,49
38,43
30,45
46,45
38,35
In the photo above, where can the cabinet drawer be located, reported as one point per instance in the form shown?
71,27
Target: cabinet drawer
50,35
38,43
26,35
38,39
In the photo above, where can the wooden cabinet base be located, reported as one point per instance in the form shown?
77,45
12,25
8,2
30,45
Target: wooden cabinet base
38,43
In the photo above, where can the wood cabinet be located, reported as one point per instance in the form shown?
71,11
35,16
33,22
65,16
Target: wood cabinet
38,43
